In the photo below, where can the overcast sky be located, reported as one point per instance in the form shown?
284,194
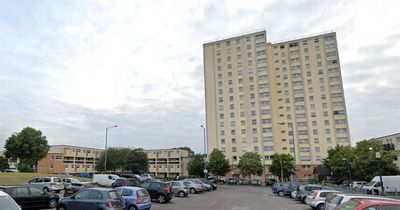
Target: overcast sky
72,68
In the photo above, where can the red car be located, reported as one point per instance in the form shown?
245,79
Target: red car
362,204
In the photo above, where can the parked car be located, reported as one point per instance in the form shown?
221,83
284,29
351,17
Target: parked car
11,170
133,176
159,191
179,188
70,181
288,190
232,181
46,183
76,187
304,190
206,187
283,188
390,184
85,175
31,197
124,182
317,198
147,177
270,182
7,202
361,204
335,199
93,199
213,185
135,198
105,179
357,185
193,187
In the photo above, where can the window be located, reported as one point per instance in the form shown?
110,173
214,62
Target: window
82,195
268,148
233,149
304,149
20,192
255,148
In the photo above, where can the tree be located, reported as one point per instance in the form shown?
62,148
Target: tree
3,163
365,163
282,165
196,165
335,163
29,145
250,163
115,156
218,164
136,162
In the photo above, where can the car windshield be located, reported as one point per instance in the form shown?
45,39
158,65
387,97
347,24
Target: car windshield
73,180
348,205
7,203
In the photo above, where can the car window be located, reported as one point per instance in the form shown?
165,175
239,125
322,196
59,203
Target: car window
323,194
146,184
20,192
155,185
390,208
127,192
59,180
47,179
372,208
316,188
39,180
82,194
36,192
350,205
96,195
142,192
7,203
186,183
33,180
114,195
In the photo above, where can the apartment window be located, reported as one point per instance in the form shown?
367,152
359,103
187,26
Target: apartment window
324,105
254,130
340,122
254,122
233,149
306,58
222,133
304,149
328,140
315,132
336,95
299,107
341,130
308,66
327,131
266,121
323,96
233,123
255,139
255,148
243,131
332,62
317,48
305,50
339,112
268,148
265,103
265,111
326,122
222,141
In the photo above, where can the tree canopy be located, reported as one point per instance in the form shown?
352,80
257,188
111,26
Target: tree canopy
29,145
218,164
196,165
124,159
363,162
282,164
3,163
250,163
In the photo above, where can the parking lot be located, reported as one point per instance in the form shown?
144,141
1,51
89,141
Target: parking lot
228,197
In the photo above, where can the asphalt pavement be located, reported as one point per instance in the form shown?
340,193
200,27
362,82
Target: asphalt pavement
232,197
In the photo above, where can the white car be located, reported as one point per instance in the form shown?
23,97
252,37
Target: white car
6,202
317,198
105,179
335,199
358,184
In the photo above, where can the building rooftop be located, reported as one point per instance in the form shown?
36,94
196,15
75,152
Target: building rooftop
302,37
64,145
235,36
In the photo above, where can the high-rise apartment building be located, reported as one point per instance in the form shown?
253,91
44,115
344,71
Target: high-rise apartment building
256,92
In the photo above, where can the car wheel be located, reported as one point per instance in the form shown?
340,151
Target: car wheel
61,207
53,203
321,206
181,194
192,191
161,199
280,193
132,208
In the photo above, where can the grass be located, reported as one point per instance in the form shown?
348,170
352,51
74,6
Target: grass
21,178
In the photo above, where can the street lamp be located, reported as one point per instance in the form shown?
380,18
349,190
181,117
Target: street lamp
105,152
378,157
205,152
280,160
294,150
349,169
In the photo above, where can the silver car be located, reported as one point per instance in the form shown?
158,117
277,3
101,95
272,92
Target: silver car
46,183
317,198
179,188
334,199
193,186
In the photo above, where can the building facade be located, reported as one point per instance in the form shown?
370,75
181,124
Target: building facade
257,91
169,163
69,159
391,143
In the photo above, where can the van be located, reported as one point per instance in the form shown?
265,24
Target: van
105,179
390,184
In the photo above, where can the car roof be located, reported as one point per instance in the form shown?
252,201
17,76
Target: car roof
363,196
101,189
3,193
130,188
377,201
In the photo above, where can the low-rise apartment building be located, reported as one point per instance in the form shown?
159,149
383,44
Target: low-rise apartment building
170,163
69,159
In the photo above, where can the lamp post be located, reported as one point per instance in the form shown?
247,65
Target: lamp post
378,157
280,160
105,151
349,170
294,150
205,152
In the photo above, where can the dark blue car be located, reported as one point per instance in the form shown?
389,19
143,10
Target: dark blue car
136,198
284,188
93,199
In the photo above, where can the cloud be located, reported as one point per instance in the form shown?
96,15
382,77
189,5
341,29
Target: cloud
73,68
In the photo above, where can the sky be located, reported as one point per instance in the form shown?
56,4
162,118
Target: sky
73,68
